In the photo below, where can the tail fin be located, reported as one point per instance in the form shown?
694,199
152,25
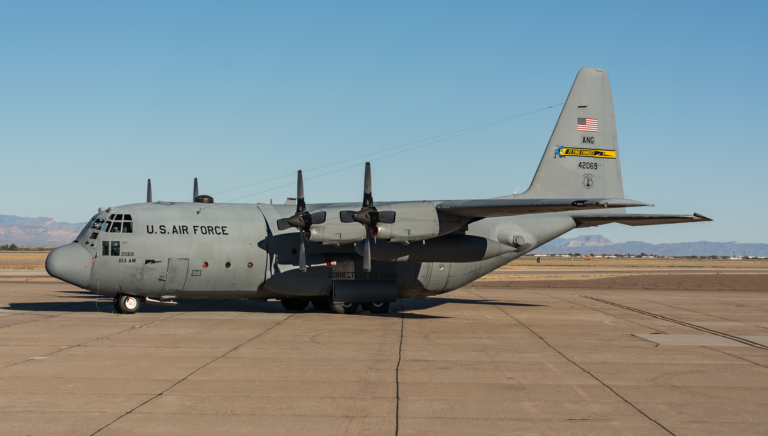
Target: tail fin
582,157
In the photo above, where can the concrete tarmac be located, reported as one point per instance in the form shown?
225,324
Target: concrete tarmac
480,361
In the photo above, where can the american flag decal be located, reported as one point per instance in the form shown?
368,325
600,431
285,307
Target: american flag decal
587,124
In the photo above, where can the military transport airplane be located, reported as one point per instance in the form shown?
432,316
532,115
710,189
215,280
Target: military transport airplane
341,255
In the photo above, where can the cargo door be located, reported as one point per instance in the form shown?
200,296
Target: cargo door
177,274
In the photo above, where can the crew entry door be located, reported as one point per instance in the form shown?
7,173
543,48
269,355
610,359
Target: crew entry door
177,274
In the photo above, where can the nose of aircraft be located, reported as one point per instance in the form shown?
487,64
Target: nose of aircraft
70,263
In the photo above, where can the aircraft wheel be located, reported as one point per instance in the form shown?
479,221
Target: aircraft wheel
294,305
128,304
345,308
376,307
321,304
116,304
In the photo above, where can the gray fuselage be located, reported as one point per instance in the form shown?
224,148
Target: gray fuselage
236,251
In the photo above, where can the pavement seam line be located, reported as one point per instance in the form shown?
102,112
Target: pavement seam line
701,313
600,311
651,328
397,369
683,323
733,355
99,338
578,366
193,373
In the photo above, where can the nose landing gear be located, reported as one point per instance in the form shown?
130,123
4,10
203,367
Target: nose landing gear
126,304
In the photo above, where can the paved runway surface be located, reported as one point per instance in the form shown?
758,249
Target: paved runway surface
472,362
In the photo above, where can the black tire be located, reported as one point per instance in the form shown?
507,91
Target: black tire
294,305
116,304
376,307
321,304
343,308
128,304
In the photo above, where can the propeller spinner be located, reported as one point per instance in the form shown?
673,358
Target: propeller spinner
301,220
368,216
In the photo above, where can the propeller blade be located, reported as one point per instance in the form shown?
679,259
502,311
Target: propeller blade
367,255
149,191
301,206
367,193
387,216
302,255
194,192
318,217
282,224
347,216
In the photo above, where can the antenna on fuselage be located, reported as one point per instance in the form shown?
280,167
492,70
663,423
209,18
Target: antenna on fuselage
194,193
149,191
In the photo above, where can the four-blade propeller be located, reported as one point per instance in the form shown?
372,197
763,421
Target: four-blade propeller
368,216
301,220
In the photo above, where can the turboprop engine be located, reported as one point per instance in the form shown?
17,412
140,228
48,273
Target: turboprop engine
414,222
396,222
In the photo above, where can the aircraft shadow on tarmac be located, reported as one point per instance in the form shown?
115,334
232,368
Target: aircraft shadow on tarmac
89,302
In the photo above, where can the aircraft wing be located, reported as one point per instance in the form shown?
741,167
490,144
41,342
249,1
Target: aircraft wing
636,219
512,206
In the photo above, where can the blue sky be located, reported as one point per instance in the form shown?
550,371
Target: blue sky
99,96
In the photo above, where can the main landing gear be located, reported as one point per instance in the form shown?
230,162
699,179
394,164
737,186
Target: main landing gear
376,307
294,305
126,304
327,304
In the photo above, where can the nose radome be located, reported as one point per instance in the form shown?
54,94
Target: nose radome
70,263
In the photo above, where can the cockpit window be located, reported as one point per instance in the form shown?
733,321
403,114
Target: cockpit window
113,226
88,226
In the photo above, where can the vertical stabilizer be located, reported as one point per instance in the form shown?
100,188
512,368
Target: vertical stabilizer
582,157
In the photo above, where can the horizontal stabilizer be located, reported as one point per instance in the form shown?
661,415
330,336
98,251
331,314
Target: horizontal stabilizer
512,206
636,219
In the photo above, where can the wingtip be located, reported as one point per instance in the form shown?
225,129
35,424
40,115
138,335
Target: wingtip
702,217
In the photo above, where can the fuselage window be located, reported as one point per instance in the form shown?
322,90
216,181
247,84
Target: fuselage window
116,227
115,251
105,248
128,227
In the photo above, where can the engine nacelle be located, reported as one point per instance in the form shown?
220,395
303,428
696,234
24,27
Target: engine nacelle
450,248
414,222
333,231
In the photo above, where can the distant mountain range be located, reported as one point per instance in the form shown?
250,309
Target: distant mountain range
597,244
45,232
38,232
